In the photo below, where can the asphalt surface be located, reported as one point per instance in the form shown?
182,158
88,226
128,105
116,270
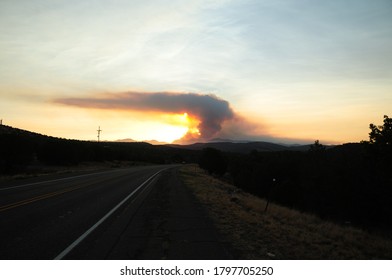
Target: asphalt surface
133,213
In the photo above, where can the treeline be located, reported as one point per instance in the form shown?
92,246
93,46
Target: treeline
347,183
343,183
20,149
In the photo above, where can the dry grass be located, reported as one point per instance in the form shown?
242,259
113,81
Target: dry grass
280,233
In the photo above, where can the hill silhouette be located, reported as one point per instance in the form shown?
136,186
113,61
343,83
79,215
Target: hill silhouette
22,149
243,147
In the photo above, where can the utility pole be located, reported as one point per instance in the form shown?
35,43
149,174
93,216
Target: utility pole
99,132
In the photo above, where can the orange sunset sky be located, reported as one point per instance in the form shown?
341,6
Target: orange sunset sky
283,71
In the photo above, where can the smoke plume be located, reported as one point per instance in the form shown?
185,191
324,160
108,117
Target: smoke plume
210,111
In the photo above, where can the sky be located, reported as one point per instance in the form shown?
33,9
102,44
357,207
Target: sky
178,71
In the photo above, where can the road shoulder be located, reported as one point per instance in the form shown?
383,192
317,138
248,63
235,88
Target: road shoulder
170,224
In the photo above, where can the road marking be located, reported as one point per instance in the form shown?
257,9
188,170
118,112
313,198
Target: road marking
37,198
57,180
97,224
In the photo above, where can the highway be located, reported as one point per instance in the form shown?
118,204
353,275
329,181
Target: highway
51,218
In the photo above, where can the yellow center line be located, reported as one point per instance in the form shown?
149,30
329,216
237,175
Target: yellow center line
37,198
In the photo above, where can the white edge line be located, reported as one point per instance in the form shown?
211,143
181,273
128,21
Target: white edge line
84,235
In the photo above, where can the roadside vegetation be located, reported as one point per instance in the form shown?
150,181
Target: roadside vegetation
349,183
279,232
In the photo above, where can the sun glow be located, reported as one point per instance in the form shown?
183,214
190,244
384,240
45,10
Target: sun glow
192,124
188,125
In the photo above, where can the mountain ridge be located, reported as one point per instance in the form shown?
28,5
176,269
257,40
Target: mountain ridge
225,145
243,147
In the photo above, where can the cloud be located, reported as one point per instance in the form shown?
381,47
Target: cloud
210,111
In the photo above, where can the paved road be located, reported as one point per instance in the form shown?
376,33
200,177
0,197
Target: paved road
134,213
39,220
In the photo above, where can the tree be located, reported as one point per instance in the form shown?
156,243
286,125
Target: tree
213,161
317,147
380,144
381,134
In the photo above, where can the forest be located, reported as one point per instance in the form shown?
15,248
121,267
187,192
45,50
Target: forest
23,152
350,183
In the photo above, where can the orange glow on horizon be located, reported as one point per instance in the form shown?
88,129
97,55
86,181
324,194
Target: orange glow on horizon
187,121
192,124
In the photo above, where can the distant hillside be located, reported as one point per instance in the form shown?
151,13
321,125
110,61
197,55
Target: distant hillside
130,140
224,145
22,151
243,148
9,130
